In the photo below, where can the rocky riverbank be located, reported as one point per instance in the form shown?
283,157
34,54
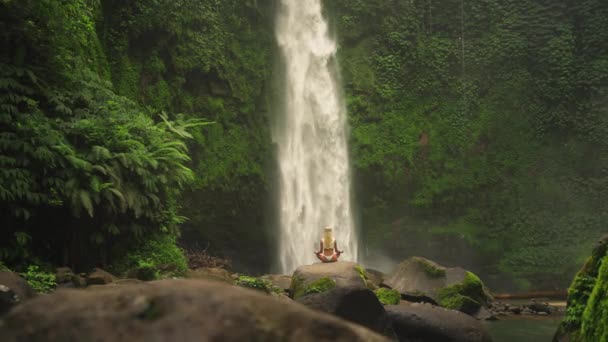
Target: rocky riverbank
419,301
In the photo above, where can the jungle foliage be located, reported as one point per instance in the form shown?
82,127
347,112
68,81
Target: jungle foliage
83,170
478,130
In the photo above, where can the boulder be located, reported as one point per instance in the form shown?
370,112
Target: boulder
13,290
354,304
99,277
426,322
79,280
280,281
63,275
215,274
375,278
173,310
453,288
324,276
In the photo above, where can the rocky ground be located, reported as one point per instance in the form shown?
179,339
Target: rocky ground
419,301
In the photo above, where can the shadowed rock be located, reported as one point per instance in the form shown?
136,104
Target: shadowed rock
99,277
13,290
172,310
425,322
355,304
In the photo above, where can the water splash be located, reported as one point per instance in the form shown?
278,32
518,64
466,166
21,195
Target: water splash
311,138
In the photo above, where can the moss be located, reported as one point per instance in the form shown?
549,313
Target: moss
586,316
466,296
319,286
254,283
595,316
362,273
431,270
388,296
299,289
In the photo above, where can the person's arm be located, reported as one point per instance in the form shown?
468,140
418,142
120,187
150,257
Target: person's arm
320,247
336,248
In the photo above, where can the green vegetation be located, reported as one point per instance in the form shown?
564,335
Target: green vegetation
149,255
466,296
362,273
478,127
388,296
431,269
254,283
300,289
586,314
39,280
319,286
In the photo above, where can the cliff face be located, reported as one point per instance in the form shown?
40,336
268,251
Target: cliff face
587,312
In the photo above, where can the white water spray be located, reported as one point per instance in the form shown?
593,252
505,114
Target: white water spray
311,136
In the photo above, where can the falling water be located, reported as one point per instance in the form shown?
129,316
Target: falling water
311,138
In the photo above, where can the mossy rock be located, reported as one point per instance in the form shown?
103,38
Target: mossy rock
254,283
388,296
453,288
466,296
322,277
587,310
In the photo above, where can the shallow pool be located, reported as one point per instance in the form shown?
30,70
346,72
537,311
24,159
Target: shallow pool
524,328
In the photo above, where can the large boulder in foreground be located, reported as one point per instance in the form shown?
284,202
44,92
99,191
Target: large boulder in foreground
453,288
172,310
426,322
321,277
13,290
354,304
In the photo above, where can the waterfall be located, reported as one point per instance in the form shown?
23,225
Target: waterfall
312,139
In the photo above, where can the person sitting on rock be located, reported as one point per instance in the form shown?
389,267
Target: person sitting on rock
328,247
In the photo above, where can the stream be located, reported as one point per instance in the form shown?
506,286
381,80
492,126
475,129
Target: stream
526,328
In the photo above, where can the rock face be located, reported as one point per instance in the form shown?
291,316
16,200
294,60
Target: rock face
173,310
13,290
586,315
355,304
343,274
453,288
99,277
425,322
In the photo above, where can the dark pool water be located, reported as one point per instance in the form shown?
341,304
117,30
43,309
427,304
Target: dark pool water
524,328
